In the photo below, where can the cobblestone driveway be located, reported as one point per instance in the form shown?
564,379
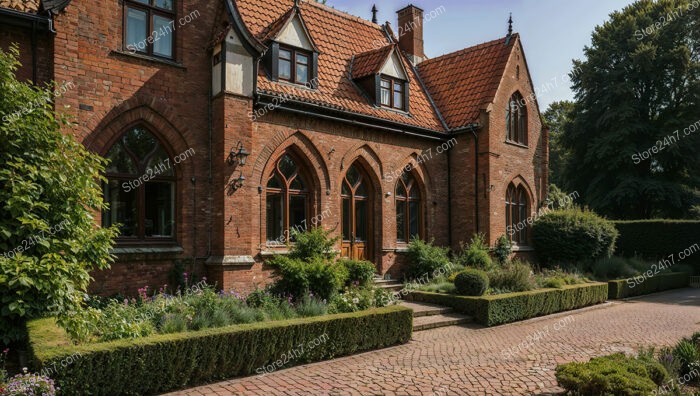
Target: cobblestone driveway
471,361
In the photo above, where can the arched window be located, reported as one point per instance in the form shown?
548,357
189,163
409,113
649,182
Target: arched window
140,188
516,120
517,212
408,208
287,200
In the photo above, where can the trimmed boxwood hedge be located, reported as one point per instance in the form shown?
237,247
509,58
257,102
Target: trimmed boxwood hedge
654,239
512,307
162,363
622,288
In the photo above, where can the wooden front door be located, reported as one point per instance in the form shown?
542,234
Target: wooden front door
357,216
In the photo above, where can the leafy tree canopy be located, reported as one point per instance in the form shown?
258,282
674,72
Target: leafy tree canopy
556,117
49,194
638,88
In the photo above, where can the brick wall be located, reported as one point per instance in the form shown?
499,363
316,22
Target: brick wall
21,37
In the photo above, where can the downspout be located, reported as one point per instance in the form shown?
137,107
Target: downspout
476,177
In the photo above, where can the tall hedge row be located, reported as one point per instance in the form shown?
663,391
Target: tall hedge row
512,307
654,239
162,363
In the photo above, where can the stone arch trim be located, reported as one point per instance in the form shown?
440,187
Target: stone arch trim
158,119
519,181
303,147
365,151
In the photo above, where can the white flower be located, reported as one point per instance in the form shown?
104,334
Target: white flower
355,300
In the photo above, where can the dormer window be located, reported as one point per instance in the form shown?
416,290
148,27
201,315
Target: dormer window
293,65
391,92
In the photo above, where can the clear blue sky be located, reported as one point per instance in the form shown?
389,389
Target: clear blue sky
553,31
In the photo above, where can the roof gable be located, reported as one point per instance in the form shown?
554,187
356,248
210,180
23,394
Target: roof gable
465,82
291,30
394,67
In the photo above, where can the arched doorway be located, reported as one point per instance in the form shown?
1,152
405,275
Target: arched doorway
357,197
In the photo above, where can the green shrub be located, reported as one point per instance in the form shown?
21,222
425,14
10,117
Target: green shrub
688,356
439,287
359,272
319,276
573,236
162,363
503,249
614,267
424,259
515,276
554,283
312,244
50,191
642,285
512,307
311,306
556,278
476,254
612,375
471,282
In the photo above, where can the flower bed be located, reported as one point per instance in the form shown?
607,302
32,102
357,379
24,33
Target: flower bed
641,285
512,307
165,362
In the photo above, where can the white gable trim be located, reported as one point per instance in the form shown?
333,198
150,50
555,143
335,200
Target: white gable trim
394,67
295,35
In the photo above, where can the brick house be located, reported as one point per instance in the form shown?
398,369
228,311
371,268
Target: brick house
237,121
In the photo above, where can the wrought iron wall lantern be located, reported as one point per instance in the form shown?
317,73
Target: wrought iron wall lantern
237,182
238,155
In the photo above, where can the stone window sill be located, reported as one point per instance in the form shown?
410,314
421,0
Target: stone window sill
149,58
523,248
147,250
516,144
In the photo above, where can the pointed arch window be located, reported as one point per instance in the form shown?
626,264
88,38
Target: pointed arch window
517,212
140,188
287,202
516,120
408,208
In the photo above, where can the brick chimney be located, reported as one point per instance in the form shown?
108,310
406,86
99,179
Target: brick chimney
410,32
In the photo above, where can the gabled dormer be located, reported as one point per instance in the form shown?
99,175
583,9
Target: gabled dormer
292,55
383,78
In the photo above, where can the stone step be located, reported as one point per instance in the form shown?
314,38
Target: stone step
441,320
424,309
391,286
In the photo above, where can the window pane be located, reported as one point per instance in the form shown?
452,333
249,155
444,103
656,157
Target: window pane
275,213
284,54
160,209
361,191
302,74
346,190
302,59
413,219
401,221
346,219
398,99
353,176
285,69
140,142
386,97
287,166
165,4
400,190
297,184
136,27
160,164
509,223
415,193
297,213
122,209
386,84
274,182
361,220
120,161
162,36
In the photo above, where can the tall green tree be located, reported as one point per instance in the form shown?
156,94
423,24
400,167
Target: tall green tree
49,194
558,114
638,84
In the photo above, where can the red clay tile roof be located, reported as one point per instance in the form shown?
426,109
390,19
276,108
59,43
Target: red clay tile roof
339,37
370,62
276,26
31,6
464,82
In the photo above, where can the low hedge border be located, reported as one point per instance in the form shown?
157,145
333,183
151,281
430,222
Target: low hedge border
166,362
513,307
641,285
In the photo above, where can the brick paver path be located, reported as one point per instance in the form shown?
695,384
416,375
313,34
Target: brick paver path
460,360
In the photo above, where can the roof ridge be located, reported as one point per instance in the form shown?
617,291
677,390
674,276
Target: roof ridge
465,50
342,14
